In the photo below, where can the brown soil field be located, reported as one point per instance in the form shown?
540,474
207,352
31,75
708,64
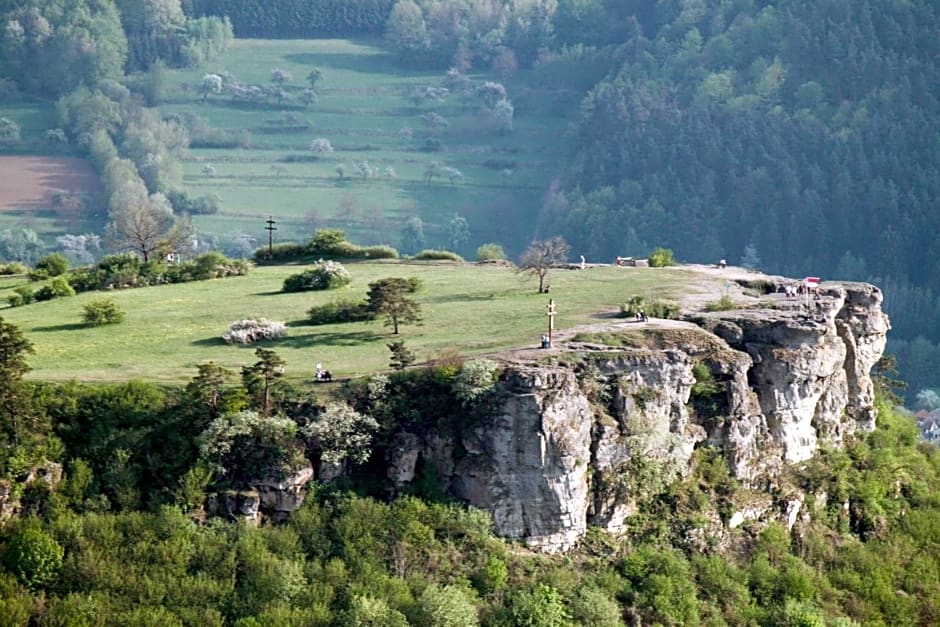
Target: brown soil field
31,182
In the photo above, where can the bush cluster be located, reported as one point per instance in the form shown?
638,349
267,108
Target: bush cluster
325,275
653,308
253,330
435,255
14,267
56,288
126,270
326,243
100,312
200,205
340,311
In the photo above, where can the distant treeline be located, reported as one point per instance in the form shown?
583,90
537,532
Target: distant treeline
298,18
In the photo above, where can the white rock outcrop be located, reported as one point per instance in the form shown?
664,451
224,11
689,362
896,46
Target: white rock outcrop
573,445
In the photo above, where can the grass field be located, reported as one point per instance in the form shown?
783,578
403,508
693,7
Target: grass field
170,329
362,110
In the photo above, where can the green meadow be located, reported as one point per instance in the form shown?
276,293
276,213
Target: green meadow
169,330
363,110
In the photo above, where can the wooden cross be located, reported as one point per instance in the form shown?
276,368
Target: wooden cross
270,228
550,312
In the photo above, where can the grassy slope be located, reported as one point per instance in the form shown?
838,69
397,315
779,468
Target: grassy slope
361,109
170,329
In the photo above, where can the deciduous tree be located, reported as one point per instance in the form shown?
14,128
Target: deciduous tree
541,255
144,225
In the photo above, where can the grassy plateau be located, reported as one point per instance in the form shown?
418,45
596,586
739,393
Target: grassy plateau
169,330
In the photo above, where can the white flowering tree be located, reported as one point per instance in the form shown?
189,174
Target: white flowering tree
247,445
321,146
341,433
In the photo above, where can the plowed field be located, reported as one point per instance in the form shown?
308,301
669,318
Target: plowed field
29,183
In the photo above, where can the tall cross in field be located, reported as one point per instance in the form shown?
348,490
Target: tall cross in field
550,312
270,228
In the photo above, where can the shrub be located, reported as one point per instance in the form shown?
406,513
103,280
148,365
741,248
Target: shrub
490,252
342,433
331,243
663,309
661,257
22,295
725,303
56,288
326,275
102,311
653,309
447,605
50,266
83,279
475,379
443,255
214,265
253,330
33,556
340,311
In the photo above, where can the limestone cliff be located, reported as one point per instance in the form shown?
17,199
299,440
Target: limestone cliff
575,437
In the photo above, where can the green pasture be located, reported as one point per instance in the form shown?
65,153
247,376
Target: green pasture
362,110
171,329
370,212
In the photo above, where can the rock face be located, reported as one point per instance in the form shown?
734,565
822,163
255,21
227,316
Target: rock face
274,496
570,446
